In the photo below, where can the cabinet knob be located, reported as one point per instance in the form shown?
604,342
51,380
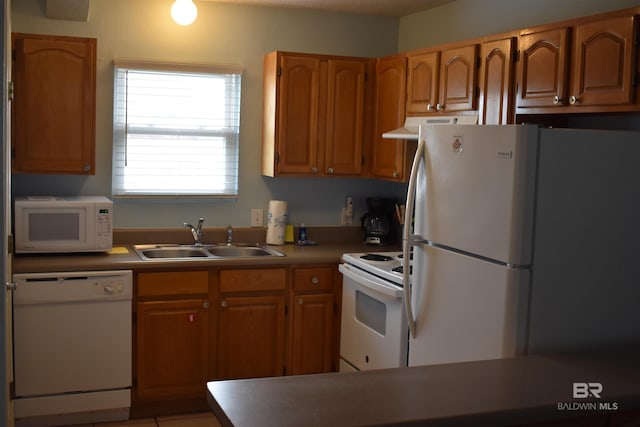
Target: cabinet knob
224,303
557,100
205,304
574,100
430,107
300,301
86,168
439,107
396,175
314,169
315,280
330,170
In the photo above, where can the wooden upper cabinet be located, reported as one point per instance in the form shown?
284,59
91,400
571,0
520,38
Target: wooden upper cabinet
389,156
497,70
458,79
423,82
345,117
313,115
542,69
589,65
298,107
53,110
603,65
442,81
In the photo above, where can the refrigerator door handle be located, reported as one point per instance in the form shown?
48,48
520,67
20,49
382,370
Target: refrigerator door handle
407,238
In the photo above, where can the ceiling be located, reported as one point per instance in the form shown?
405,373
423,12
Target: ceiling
370,7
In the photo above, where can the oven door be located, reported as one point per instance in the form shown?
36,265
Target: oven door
374,332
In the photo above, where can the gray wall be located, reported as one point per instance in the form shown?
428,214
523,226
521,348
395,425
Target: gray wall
467,19
222,33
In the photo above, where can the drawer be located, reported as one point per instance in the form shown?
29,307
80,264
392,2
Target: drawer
313,279
263,279
172,283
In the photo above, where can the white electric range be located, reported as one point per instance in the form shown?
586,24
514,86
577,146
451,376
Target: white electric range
374,333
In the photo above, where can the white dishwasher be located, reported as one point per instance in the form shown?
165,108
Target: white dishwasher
72,347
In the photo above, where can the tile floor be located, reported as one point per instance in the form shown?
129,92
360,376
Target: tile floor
205,419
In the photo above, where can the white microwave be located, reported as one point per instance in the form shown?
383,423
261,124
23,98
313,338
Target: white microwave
63,224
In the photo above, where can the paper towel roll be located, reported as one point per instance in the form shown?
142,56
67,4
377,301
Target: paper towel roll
276,222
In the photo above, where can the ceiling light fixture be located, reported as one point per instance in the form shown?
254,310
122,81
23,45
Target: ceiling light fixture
184,12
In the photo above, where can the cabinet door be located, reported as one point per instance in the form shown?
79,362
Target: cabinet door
345,117
458,79
542,69
602,69
53,112
496,82
250,336
312,334
172,348
422,82
389,155
298,115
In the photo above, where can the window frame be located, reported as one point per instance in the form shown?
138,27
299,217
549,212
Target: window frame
121,129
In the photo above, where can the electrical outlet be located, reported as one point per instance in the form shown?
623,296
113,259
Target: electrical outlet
256,218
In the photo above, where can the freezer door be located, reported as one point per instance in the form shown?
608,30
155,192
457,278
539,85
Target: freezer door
466,309
475,190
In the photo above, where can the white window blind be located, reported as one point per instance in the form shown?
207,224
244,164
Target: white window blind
175,130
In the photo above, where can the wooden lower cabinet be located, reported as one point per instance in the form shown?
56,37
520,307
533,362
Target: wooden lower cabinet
312,334
172,348
196,326
313,322
250,336
172,333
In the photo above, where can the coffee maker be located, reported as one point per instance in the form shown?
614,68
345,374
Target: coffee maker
378,223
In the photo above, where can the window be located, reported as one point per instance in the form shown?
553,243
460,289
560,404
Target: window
175,130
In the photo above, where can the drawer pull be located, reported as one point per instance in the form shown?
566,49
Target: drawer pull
315,280
224,303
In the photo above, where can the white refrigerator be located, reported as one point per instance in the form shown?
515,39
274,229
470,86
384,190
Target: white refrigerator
523,240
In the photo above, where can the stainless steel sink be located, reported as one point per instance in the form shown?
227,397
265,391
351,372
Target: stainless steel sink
185,252
236,251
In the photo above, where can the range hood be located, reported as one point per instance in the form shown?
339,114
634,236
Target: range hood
412,124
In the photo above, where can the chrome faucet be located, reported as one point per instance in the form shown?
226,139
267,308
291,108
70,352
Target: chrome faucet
196,231
229,234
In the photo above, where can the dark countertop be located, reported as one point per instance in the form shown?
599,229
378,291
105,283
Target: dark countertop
494,392
332,243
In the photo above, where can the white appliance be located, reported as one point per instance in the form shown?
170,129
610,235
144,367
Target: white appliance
72,347
523,241
45,224
412,124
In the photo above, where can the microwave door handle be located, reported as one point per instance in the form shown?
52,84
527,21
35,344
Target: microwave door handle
407,238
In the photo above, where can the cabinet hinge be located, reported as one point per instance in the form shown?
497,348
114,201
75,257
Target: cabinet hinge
335,307
286,309
362,161
515,56
635,78
284,370
10,91
13,54
276,158
10,244
366,76
636,38
279,71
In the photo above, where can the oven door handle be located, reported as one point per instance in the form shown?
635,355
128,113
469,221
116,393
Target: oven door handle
369,285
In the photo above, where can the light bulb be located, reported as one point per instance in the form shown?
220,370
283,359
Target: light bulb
184,12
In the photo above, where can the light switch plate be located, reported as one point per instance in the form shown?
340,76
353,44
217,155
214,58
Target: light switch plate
256,218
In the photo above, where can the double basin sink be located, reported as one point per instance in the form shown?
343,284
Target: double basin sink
205,251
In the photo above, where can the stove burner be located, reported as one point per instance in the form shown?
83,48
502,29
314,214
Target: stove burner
400,269
376,257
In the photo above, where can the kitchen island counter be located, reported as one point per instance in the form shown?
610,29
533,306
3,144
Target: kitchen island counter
496,392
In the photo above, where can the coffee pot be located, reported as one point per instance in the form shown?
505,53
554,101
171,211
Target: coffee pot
377,224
